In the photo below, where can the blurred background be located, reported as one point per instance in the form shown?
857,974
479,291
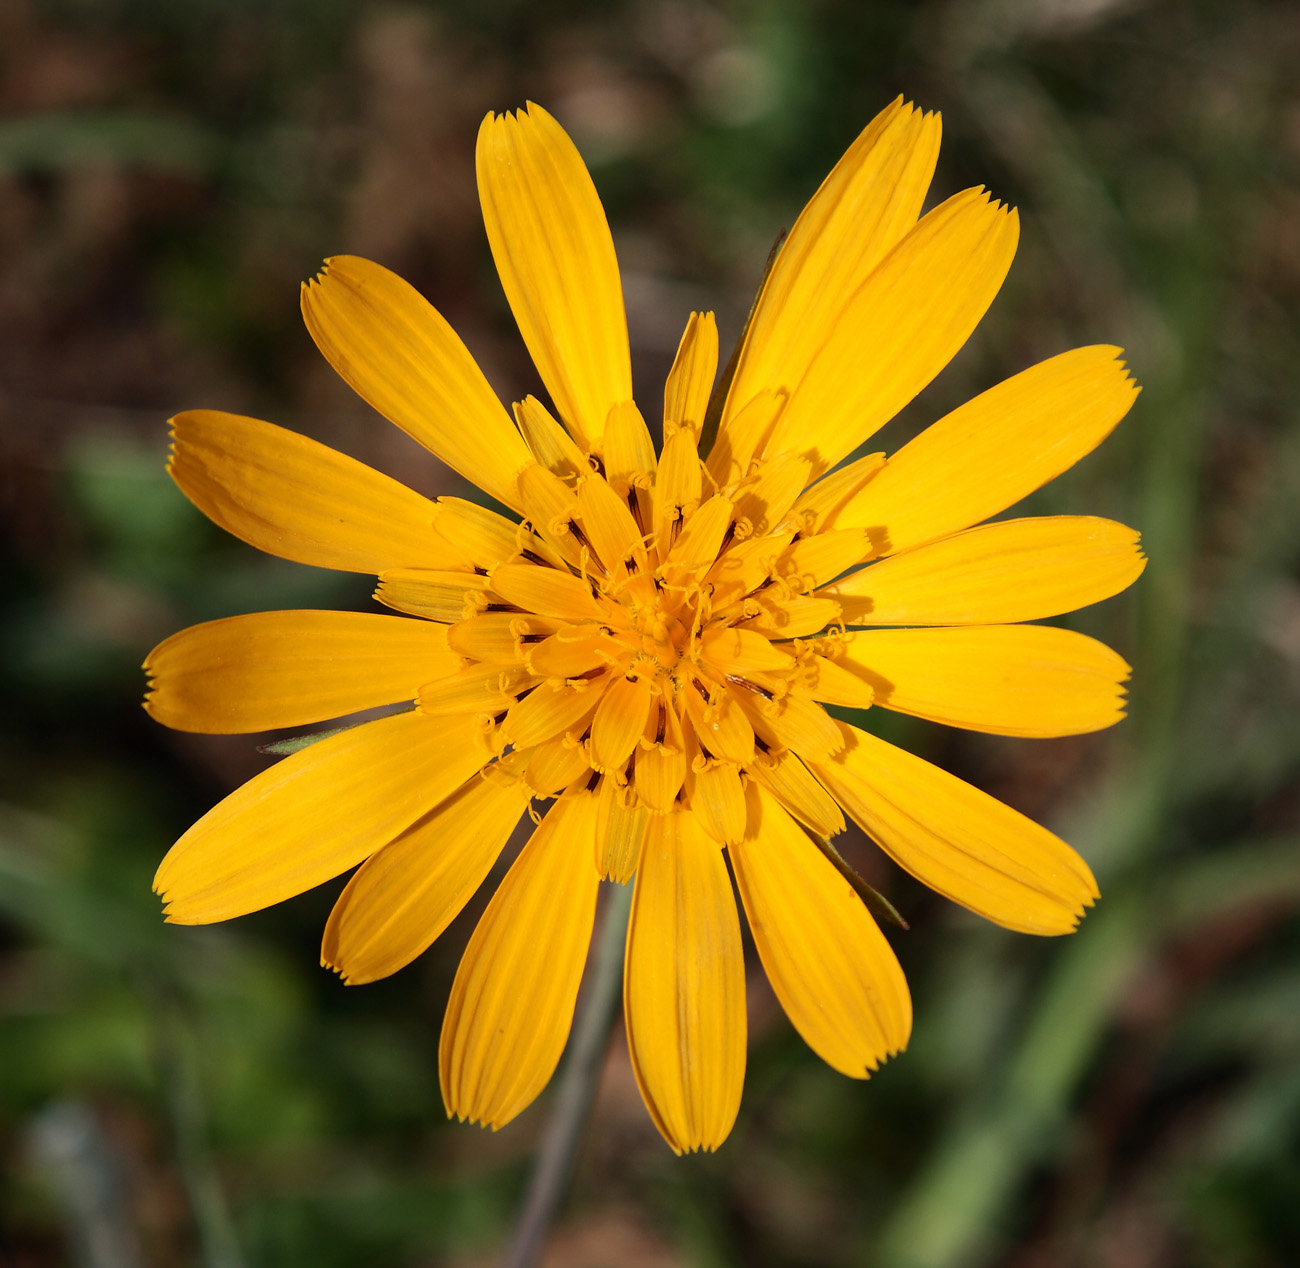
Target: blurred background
1125,1098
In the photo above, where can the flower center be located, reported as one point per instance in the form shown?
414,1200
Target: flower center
654,637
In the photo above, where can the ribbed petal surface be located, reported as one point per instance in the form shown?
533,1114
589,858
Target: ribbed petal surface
629,454
959,840
830,966
867,204
277,669
1029,680
1013,570
994,450
434,594
904,324
511,1005
404,896
316,814
548,591
553,250
684,986
619,722
554,765
296,498
828,681
399,355
550,444
548,712
690,381
620,831
795,787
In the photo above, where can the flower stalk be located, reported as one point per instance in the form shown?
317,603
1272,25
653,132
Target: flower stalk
558,1151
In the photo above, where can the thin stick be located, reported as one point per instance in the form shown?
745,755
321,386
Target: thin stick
555,1157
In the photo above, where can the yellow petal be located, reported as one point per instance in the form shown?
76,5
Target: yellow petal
830,966
959,840
551,506
546,711
483,537
608,524
794,618
814,560
718,801
827,681
433,594
684,986
547,591
629,449
994,450
733,651
766,500
679,484
819,506
572,652
1012,570
661,760
298,499
553,766
630,460
619,722
553,250
497,637
316,814
791,782
744,566
511,1004
690,381
620,830
904,324
742,437
863,209
794,722
721,726
698,544
274,669
394,349
404,896
548,442
1009,679
476,689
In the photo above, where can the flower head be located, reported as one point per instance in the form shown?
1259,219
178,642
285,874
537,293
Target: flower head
651,644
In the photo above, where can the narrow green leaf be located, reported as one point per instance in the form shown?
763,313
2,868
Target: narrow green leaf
295,743
877,904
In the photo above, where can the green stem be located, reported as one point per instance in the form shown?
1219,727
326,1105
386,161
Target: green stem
178,1067
555,1157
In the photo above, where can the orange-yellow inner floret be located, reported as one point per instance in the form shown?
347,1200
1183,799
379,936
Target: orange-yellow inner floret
647,633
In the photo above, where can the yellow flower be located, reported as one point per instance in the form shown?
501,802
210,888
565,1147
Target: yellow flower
653,642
